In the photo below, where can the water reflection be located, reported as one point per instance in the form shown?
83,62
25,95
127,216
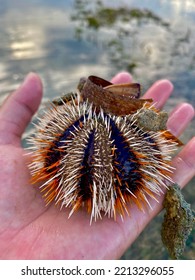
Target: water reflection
41,38
140,40
188,5
62,43
27,43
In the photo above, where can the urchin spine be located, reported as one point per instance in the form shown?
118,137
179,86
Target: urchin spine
83,174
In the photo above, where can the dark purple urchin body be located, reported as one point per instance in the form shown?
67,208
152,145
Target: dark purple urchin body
99,160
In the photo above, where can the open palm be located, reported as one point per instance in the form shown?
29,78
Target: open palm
28,229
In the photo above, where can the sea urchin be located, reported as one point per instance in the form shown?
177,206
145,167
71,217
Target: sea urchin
102,149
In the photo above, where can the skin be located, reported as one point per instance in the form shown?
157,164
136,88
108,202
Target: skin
28,229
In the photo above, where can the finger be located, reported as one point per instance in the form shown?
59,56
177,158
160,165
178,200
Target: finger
122,77
159,92
179,118
17,111
184,163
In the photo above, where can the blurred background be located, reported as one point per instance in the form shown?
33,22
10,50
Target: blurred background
65,40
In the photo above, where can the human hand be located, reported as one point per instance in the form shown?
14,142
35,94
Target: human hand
28,229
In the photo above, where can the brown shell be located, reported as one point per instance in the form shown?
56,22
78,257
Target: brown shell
119,99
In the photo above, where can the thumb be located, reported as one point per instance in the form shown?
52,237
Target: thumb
18,109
